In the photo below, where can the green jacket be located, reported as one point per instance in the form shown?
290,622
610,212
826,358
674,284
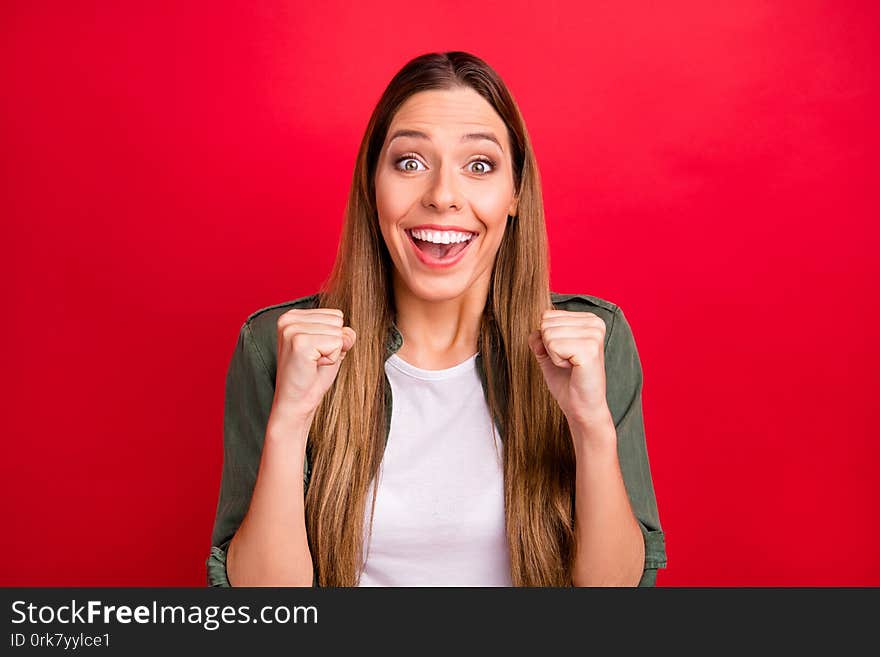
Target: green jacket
250,390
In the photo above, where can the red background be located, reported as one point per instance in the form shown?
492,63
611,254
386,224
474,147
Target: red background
169,168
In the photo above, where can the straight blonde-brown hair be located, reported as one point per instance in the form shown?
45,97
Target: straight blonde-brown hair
347,437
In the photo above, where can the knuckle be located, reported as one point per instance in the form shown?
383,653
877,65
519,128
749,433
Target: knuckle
285,318
331,316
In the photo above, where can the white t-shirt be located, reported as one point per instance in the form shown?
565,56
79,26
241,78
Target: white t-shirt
439,518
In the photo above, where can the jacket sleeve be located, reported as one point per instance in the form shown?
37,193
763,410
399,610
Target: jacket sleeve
250,391
623,372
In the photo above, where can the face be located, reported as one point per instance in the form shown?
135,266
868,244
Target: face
445,173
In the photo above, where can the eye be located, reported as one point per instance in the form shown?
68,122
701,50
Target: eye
406,159
484,162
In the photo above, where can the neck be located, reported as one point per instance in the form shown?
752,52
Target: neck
439,333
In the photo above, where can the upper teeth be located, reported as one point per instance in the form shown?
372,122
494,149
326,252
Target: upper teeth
441,236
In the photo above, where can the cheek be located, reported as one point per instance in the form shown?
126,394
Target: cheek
382,194
493,242
491,207
392,198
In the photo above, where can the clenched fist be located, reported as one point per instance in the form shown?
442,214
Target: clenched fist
311,347
570,348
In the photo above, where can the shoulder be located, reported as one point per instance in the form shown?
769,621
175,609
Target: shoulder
273,312
583,302
263,322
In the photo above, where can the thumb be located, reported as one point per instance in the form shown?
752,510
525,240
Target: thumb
348,339
537,345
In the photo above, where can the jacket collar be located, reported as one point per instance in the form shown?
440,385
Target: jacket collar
393,341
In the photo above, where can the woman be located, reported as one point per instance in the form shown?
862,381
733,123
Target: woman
509,457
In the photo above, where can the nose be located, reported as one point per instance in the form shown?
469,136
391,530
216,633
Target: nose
442,191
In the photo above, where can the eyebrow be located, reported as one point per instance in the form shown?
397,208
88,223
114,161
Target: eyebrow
470,136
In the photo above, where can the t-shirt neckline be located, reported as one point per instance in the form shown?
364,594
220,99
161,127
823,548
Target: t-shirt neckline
417,372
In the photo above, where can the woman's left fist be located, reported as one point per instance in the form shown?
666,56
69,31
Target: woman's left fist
570,348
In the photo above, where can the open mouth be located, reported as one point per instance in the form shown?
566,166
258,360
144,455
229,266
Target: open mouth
439,252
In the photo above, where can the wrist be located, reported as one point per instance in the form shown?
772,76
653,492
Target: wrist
598,420
287,424
595,431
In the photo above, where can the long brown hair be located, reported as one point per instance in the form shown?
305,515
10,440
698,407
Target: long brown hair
347,437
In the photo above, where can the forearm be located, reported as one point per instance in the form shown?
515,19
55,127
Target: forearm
271,547
610,549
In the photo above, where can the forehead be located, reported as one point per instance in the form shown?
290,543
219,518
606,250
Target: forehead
447,113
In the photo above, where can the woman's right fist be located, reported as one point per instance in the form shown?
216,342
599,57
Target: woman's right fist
311,346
